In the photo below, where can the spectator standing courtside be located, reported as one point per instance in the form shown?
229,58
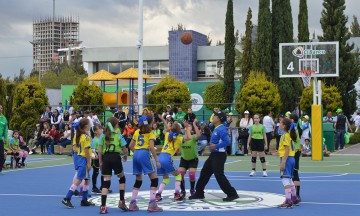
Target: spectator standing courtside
216,161
3,136
342,125
245,123
269,125
122,118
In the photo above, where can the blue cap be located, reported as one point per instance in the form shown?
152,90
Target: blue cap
202,123
144,120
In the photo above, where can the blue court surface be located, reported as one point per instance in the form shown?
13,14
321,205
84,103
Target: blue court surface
36,191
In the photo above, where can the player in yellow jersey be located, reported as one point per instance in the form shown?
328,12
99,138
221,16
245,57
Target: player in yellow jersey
172,143
82,163
287,161
142,144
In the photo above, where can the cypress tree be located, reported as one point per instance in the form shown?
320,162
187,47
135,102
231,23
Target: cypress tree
246,61
282,28
355,27
333,22
263,44
303,27
229,63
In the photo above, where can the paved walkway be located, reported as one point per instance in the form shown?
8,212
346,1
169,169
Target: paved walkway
353,149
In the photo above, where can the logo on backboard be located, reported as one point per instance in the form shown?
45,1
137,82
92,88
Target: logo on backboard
212,202
300,52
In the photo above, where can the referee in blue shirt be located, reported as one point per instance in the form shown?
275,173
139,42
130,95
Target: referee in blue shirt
216,161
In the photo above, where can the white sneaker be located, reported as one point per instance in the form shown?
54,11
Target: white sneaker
30,152
253,173
265,174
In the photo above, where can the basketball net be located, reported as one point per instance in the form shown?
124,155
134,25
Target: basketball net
306,78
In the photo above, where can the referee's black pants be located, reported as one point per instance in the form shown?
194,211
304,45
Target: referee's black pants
1,154
214,165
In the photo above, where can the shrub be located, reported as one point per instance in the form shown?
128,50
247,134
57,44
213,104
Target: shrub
214,96
28,103
88,97
258,95
169,91
331,98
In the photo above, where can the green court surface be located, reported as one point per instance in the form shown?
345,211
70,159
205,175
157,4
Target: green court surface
332,164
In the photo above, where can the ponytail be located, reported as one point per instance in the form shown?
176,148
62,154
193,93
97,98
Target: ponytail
80,130
109,129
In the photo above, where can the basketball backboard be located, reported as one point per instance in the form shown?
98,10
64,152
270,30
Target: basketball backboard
320,59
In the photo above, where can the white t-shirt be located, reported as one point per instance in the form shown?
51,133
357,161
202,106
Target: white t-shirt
91,122
244,123
71,110
268,123
96,119
66,133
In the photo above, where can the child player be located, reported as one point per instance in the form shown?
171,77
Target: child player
82,164
173,141
298,148
110,160
287,162
98,135
189,156
257,139
142,144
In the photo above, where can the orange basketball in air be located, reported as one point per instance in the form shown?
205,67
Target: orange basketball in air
186,38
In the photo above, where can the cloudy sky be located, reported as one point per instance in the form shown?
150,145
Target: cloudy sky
105,23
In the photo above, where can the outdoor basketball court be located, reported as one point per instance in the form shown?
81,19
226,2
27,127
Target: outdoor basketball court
328,187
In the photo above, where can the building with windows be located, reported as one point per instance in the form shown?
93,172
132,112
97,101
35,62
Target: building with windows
194,62
50,35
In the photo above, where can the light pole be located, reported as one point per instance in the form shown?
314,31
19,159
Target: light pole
140,63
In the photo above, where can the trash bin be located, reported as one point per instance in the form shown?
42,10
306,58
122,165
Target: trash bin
328,134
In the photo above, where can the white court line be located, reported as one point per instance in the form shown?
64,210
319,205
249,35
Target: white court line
31,168
336,165
302,177
55,159
265,179
233,162
318,203
32,195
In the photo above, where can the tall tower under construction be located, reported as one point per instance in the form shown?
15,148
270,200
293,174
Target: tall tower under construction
49,35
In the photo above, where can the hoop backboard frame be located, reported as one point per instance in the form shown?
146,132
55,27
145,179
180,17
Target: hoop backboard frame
299,52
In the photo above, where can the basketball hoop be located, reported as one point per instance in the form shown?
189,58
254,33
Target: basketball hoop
306,76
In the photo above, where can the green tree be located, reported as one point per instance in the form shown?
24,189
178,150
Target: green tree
67,76
333,22
258,95
331,98
303,26
229,63
214,96
355,27
3,94
246,60
21,77
88,96
29,102
76,64
282,31
264,37
10,92
169,91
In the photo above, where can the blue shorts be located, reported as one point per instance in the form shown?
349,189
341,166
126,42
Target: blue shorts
75,158
167,165
81,168
142,163
289,168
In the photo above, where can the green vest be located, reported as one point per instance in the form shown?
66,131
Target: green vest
3,127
